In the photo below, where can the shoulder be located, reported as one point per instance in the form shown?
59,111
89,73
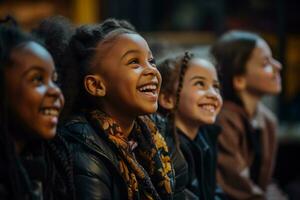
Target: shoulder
231,111
91,153
267,113
94,161
232,116
78,126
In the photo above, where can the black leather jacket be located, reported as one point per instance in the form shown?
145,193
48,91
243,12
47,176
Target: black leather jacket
96,173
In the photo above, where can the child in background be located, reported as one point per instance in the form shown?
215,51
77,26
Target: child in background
247,144
190,99
34,161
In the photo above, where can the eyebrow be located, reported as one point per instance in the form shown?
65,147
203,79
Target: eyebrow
198,77
203,78
38,68
129,52
135,51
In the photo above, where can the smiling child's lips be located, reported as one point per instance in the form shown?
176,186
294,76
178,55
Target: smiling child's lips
148,83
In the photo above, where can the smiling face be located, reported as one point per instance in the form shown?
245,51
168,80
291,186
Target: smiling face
130,76
262,71
200,99
34,99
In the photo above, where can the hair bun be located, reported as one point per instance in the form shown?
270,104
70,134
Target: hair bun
113,24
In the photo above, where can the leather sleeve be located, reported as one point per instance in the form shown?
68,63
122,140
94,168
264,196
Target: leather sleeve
92,178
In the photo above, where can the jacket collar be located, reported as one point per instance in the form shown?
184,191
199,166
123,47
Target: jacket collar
256,122
81,131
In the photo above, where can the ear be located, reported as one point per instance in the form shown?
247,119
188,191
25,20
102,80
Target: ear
94,85
166,101
239,83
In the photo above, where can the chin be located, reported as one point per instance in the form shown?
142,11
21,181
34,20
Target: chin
48,134
208,121
274,91
149,109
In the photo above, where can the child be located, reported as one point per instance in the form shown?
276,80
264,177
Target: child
110,81
247,142
190,98
32,167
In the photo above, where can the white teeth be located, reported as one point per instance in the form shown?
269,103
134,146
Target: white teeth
50,112
209,108
148,87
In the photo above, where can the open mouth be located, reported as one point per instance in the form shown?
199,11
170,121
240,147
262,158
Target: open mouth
149,89
53,112
211,108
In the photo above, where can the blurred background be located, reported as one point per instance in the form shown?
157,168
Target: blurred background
170,25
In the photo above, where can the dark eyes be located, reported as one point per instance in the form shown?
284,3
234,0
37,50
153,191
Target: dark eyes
39,79
217,87
152,61
202,84
133,61
136,61
199,83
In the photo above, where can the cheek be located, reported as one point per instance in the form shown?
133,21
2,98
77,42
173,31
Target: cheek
188,100
30,99
259,80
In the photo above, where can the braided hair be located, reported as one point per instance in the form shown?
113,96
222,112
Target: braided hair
173,71
60,184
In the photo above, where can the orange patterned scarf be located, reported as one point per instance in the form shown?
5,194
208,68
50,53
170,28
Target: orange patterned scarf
146,169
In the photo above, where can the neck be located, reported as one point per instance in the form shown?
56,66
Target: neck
189,128
126,125
250,102
126,122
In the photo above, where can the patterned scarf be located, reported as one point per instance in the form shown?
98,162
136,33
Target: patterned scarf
147,171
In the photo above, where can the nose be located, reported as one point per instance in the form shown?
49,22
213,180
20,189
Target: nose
150,69
212,93
276,65
54,90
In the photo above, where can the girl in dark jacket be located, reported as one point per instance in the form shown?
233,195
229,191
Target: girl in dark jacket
110,82
190,98
34,161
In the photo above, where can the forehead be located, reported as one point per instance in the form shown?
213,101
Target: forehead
261,50
31,54
122,43
201,67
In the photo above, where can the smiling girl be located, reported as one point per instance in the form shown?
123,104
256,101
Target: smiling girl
110,81
30,106
247,142
190,98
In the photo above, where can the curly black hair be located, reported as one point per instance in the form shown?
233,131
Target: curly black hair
77,58
56,151
11,37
